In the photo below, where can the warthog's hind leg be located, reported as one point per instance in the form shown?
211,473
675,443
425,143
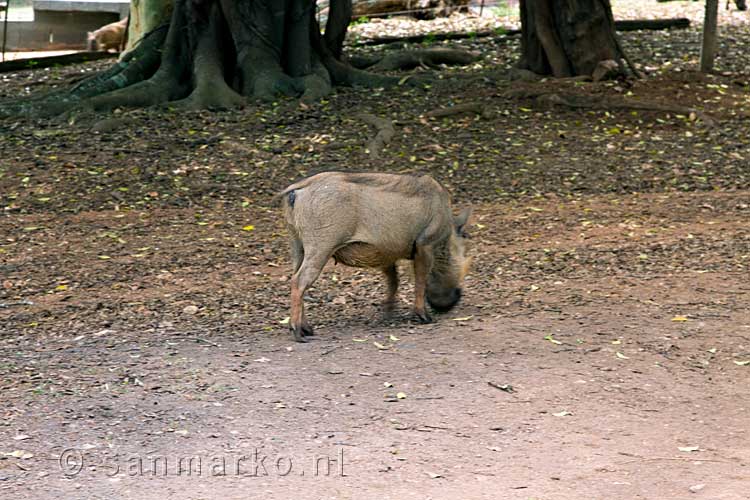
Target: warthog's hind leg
298,253
306,274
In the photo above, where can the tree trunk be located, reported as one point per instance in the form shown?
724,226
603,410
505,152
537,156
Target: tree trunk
567,38
216,54
145,16
708,49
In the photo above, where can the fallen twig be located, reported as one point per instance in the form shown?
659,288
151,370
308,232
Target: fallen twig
212,344
5,305
504,387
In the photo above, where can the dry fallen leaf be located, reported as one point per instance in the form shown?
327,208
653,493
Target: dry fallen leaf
562,414
689,448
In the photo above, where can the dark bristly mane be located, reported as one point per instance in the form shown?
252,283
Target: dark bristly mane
442,257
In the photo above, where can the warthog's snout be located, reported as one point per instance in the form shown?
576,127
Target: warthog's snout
375,220
445,301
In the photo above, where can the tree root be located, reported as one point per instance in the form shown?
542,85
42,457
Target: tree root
577,101
317,84
216,97
413,58
208,58
135,66
385,132
162,87
476,108
211,89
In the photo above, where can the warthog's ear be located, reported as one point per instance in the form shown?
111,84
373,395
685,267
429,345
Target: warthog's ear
461,219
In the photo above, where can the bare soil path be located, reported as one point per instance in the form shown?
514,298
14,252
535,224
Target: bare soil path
617,369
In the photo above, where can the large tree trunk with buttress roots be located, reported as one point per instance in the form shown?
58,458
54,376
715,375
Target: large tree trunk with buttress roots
145,16
216,54
567,38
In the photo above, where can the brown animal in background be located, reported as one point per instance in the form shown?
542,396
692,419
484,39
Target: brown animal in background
374,220
111,36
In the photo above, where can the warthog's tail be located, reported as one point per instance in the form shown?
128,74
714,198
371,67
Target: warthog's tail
285,194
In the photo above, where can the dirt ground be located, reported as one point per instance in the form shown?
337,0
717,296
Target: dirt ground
601,350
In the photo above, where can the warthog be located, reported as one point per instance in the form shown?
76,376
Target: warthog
110,36
374,220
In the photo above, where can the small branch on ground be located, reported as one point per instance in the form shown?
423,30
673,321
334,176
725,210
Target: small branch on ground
5,305
208,342
385,132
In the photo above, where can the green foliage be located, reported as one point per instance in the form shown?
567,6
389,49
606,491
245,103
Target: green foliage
502,9
429,39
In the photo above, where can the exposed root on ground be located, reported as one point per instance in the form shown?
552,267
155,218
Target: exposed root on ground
217,55
471,108
383,136
578,101
408,59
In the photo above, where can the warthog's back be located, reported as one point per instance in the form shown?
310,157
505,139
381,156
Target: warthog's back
368,220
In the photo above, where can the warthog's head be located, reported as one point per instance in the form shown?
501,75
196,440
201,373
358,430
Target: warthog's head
450,266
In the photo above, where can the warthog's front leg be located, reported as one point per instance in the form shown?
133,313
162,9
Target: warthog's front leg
391,277
422,265
305,276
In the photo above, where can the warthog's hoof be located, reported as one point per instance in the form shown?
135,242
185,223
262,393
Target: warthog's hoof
299,333
424,317
298,336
